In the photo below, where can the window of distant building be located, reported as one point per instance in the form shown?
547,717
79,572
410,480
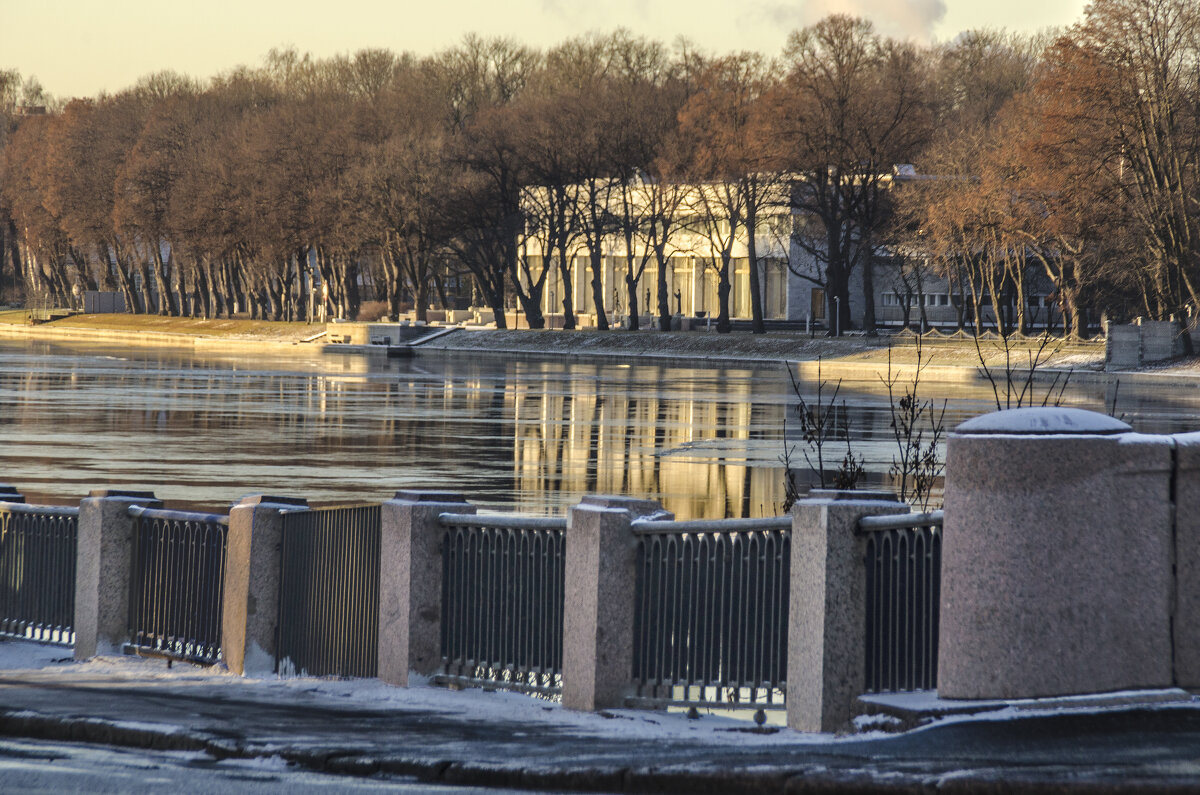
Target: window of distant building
818,303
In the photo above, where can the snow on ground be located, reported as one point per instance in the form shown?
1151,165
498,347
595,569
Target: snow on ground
476,705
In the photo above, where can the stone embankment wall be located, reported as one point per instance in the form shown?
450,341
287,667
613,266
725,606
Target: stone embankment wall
1144,342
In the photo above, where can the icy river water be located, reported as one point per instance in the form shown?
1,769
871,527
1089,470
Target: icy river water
202,430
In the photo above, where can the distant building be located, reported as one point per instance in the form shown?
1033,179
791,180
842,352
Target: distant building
906,288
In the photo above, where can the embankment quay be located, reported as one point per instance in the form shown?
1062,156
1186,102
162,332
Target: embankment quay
851,357
1039,635
839,619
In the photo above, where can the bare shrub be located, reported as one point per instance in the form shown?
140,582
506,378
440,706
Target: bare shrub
821,423
370,311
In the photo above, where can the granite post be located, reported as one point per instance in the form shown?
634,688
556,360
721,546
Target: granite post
1186,625
1057,557
601,552
250,611
410,582
827,609
103,565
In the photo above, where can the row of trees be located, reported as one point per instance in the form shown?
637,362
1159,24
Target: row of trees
1090,172
425,179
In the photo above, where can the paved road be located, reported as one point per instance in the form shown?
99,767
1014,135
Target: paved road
36,766
1156,747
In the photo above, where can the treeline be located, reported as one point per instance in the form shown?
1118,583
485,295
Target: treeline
476,173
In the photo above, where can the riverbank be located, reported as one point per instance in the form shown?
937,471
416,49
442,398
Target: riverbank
850,357
158,331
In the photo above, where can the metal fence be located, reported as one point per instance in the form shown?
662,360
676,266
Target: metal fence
711,614
502,601
176,586
904,577
329,592
37,571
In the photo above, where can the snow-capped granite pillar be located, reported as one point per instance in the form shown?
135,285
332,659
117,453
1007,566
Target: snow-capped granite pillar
598,609
103,564
1057,557
250,610
410,582
827,609
1187,560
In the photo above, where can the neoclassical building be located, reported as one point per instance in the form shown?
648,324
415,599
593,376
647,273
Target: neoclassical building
791,276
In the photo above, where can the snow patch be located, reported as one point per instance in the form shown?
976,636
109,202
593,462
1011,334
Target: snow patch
1043,420
52,664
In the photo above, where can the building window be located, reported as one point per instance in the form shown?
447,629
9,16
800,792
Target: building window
818,303
776,289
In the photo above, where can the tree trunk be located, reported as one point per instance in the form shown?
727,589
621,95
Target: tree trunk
421,298
124,285
664,296
724,287
596,263
165,299
353,295
631,288
568,299
837,299
868,266
391,280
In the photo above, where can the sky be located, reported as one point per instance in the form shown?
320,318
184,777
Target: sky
85,47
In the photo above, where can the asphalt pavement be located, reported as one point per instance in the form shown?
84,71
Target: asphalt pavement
310,726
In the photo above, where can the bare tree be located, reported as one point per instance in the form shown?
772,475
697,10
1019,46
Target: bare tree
856,103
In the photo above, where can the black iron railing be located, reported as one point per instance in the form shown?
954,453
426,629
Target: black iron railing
329,593
502,601
176,586
37,571
904,578
711,615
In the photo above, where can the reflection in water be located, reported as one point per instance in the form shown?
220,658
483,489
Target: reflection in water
203,429
692,438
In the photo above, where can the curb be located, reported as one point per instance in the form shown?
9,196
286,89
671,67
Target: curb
357,763
795,778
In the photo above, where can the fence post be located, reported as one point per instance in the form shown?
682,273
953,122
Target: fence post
250,610
103,566
410,582
601,574
827,610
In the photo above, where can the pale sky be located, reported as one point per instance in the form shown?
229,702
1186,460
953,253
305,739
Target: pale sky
84,47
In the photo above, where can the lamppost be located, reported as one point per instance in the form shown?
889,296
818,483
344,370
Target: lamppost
837,316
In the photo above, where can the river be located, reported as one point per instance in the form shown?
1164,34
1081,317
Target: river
202,430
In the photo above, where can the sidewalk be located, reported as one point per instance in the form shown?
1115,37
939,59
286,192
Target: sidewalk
500,739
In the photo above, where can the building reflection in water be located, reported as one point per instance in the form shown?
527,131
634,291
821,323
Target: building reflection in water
201,430
696,444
